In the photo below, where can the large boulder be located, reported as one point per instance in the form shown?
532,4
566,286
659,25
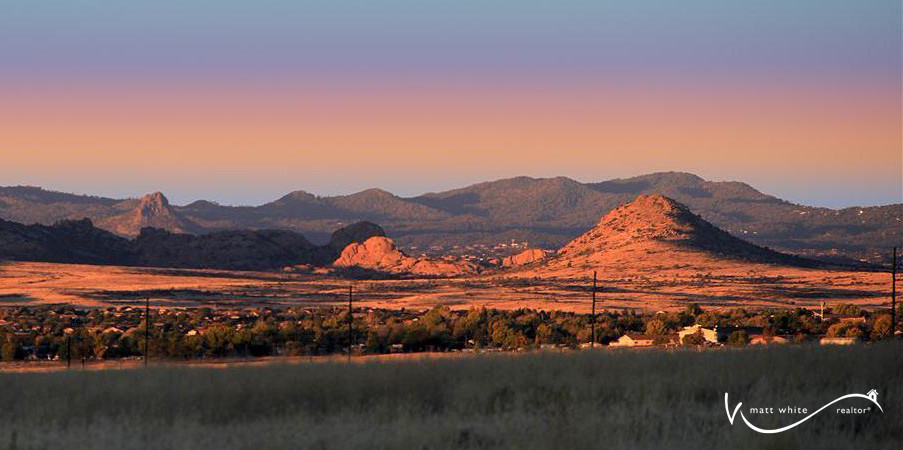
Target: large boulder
377,253
525,257
382,255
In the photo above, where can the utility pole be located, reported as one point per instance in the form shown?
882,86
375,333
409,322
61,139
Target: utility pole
350,321
893,294
592,319
146,329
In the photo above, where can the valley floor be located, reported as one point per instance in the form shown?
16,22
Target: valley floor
667,288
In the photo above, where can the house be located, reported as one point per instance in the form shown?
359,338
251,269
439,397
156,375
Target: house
634,340
848,319
761,339
709,334
838,341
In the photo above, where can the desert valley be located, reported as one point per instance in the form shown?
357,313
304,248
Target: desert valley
651,254
649,270
464,225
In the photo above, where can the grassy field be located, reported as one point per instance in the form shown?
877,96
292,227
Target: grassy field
589,399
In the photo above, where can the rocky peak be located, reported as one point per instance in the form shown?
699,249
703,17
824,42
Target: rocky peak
152,210
653,224
297,196
652,217
153,204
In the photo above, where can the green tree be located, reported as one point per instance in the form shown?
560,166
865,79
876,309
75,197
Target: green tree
375,343
845,330
845,309
472,326
738,338
693,339
218,340
416,338
656,327
836,330
10,349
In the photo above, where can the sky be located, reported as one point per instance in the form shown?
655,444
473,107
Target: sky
242,101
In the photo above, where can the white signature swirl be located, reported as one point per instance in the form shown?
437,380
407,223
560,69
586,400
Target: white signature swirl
872,396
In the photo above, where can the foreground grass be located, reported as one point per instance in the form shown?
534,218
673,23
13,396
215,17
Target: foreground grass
602,399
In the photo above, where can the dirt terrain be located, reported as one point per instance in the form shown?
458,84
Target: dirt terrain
669,288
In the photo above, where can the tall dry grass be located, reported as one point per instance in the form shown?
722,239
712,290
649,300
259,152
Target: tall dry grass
601,399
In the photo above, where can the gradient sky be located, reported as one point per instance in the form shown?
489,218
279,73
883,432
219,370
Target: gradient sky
243,101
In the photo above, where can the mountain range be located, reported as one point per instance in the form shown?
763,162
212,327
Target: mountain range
547,212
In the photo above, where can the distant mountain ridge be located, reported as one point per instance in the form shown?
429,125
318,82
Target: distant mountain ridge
547,212
78,241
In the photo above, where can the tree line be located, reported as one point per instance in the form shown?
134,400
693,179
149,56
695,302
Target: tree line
64,332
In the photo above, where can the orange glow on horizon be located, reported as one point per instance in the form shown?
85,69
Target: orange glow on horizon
109,128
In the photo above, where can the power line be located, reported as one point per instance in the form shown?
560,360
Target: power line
146,329
592,342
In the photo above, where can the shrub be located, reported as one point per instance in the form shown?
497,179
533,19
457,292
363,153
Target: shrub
738,338
882,328
845,330
661,340
656,327
845,309
10,349
693,339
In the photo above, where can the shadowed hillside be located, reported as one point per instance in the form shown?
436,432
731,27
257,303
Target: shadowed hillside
81,242
69,241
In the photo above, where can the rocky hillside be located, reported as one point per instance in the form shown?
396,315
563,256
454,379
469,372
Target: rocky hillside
547,212
379,254
655,231
531,256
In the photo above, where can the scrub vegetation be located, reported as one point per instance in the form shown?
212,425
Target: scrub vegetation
589,399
